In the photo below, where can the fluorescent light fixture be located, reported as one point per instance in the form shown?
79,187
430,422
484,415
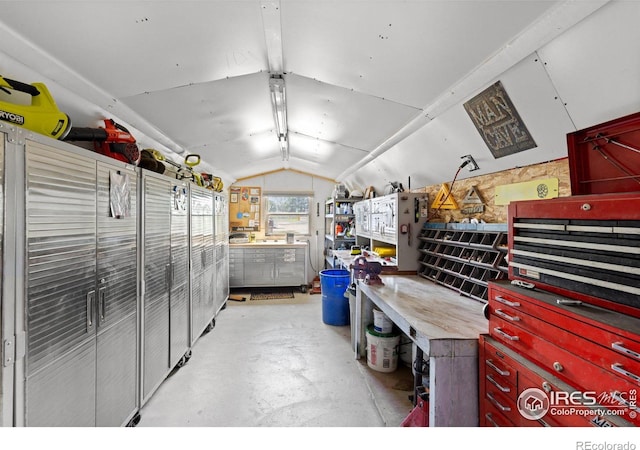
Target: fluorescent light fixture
279,106
284,148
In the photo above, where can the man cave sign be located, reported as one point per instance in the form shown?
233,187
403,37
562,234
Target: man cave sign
498,122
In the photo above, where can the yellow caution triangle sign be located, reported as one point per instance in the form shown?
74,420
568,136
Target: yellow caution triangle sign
444,199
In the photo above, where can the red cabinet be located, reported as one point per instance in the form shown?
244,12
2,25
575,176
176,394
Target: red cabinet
584,348
506,378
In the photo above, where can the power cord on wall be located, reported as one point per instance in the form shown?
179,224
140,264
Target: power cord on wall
468,159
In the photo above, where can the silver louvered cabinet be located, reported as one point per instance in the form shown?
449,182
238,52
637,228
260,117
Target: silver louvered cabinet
80,292
156,258
221,229
209,262
201,261
116,306
179,295
60,370
6,368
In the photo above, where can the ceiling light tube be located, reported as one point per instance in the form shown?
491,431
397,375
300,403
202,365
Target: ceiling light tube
284,147
278,104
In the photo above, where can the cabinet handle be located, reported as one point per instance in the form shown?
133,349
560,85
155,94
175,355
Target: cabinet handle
505,335
617,367
504,373
504,315
102,308
91,297
490,419
621,348
504,301
497,403
496,384
167,276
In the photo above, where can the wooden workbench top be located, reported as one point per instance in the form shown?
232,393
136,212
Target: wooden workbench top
428,312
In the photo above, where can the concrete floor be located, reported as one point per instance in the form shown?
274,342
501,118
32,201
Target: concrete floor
274,363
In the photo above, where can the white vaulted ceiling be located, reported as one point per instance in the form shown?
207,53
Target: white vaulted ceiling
362,77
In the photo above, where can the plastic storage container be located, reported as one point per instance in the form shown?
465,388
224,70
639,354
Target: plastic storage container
335,306
382,350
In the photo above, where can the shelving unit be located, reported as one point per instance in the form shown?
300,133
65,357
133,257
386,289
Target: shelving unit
464,257
339,226
392,223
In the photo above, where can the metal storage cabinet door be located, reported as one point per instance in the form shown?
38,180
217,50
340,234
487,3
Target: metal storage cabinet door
179,302
117,298
60,287
199,257
156,257
209,256
5,408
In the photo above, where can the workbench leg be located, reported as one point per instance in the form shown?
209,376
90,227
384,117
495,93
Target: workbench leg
453,391
418,364
364,317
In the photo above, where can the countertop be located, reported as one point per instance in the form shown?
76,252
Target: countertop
428,312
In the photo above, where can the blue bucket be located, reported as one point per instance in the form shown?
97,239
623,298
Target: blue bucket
335,306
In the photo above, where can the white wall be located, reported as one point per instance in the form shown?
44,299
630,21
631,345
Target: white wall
291,181
588,75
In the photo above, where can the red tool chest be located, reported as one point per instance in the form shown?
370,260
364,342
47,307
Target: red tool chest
585,247
605,158
499,400
543,340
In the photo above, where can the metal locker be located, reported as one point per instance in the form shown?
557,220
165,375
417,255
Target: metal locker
60,287
80,289
179,296
201,261
157,267
221,230
209,256
117,297
6,334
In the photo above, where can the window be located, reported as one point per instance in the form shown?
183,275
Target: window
287,213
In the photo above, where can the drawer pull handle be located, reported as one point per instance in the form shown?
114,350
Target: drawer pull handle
621,348
496,384
617,367
504,301
504,373
490,420
504,315
497,403
505,335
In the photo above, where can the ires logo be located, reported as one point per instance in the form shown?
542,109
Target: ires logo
534,403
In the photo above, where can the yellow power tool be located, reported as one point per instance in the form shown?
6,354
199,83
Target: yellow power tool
40,114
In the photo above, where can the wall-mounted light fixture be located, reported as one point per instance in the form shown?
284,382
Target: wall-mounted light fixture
279,106
469,163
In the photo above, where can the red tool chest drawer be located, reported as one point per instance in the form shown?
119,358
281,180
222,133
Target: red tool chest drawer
582,247
568,341
565,405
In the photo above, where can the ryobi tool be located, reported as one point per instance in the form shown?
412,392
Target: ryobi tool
113,140
41,115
